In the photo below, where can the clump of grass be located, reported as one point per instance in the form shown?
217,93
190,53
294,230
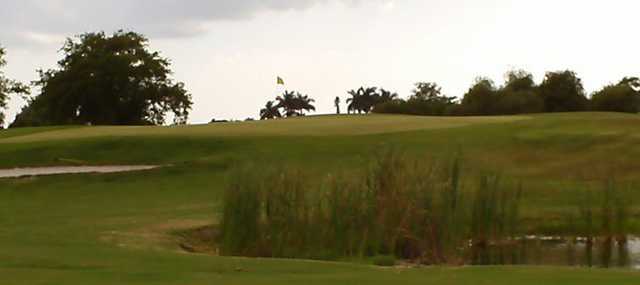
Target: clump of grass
240,225
495,218
605,224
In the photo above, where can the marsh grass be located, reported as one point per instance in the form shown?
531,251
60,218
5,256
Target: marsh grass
410,208
398,206
605,224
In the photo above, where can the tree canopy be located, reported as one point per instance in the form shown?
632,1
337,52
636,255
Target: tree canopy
621,97
562,91
8,87
107,80
364,99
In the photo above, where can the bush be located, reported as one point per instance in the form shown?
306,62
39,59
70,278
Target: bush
413,107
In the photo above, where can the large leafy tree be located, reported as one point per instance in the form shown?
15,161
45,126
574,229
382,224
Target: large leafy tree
562,91
519,94
427,91
481,98
8,87
108,80
519,81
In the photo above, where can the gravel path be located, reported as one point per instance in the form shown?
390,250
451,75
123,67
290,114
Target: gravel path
38,171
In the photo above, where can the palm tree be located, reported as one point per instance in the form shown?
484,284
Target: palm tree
270,111
386,96
354,102
304,104
288,103
362,100
295,104
370,98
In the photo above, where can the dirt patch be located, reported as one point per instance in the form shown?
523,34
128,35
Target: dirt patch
169,235
55,170
199,240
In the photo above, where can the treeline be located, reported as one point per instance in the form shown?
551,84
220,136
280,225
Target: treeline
560,91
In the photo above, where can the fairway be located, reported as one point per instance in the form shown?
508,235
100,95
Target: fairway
123,228
311,126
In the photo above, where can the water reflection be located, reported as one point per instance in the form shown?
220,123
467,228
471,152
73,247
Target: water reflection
623,251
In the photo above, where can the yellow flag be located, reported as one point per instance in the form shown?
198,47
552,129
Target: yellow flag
280,81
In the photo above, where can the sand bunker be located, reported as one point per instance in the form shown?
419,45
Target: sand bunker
39,171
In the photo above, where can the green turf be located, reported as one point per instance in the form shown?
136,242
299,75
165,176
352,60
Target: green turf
116,228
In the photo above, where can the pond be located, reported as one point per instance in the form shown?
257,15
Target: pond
607,252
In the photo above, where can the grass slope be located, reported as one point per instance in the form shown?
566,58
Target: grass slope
117,228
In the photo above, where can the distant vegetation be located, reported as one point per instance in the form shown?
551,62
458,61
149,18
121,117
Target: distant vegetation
560,91
116,80
289,104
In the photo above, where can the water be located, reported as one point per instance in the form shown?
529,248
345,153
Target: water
622,252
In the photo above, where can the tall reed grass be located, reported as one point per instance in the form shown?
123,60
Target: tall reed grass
414,209
398,206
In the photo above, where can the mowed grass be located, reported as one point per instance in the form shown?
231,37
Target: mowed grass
312,126
118,228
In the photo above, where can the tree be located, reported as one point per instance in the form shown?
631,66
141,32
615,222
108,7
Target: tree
108,80
287,102
355,102
518,81
8,87
519,95
364,99
621,97
426,91
304,104
336,102
270,111
385,96
562,91
481,99
294,103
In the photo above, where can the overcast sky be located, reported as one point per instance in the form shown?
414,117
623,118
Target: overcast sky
230,52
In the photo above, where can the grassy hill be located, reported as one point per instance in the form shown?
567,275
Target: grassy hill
120,228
